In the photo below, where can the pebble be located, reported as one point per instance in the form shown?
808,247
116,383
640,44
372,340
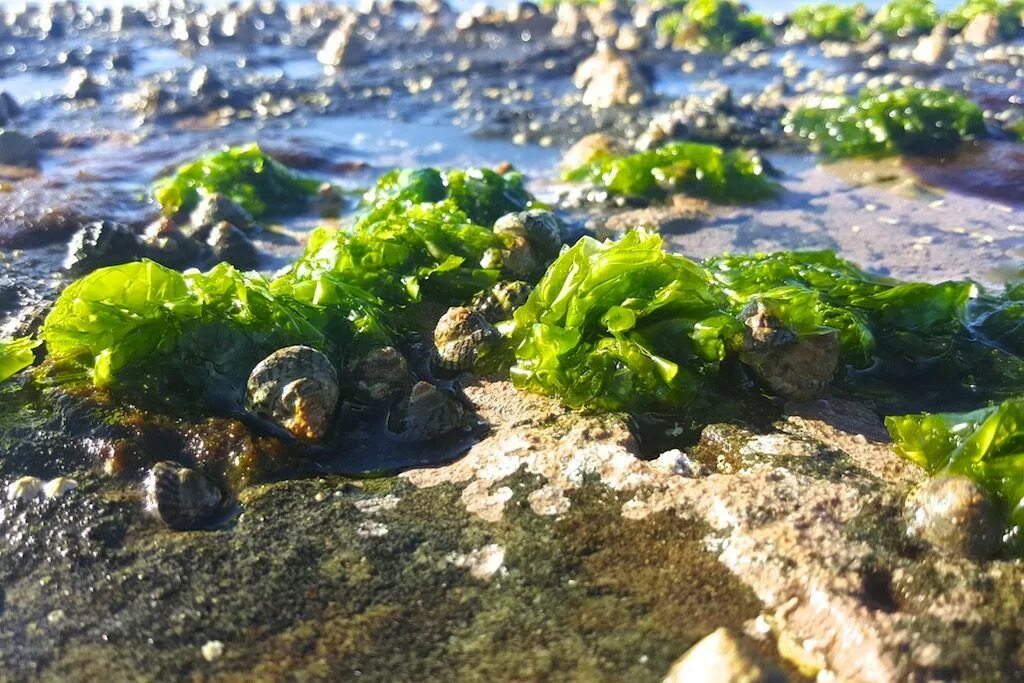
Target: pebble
29,488
212,650
722,657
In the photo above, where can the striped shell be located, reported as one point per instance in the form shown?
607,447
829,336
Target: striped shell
426,413
181,497
500,301
458,336
378,375
297,389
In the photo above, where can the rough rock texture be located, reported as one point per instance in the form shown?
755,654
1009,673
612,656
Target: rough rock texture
608,79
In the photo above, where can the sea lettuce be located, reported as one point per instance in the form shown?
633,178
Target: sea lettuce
879,123
246,175
141,319
16,355
621,324
986,445
734,176
627,325
716,25
904,18
828,21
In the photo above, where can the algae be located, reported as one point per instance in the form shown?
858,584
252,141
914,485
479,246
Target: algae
715,25
874,123
1007,13
704,170
245,175
905,18
827,21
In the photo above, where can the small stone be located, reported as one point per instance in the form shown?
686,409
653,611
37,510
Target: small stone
18,150
215,208
955,516
343,47
723,657
25,488
212,650
482,563
56,488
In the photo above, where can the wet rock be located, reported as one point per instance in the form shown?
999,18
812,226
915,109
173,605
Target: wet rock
100,244
427,413
230,244
343,47
723,657
18,150
955,516
933,48
661,129
166,244
213,209
295,388
9,108
82,86
681,215
206,86
570,23
379,375
982,31
180,496
25,488
610,79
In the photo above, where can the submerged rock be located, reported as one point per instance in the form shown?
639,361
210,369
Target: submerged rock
723,657
181,497
343,47
82,86
296,388
954,515
100,244
9,108
18,150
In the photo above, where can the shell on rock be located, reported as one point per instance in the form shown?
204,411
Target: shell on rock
500,301
297,389
426,413
797,368
541,229
182,497
379,375
954,515
459,335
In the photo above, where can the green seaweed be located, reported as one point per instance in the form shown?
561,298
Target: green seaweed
421,234
16,355
734,176
245,175
827,21
905,18
144,320
1008,14
986,445
715,25
880,123
627,325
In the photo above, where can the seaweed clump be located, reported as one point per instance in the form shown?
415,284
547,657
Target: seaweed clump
715,25
734,176
880,123
627,325
905,18
1008,14
827,21
986,445
245,175
421,235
